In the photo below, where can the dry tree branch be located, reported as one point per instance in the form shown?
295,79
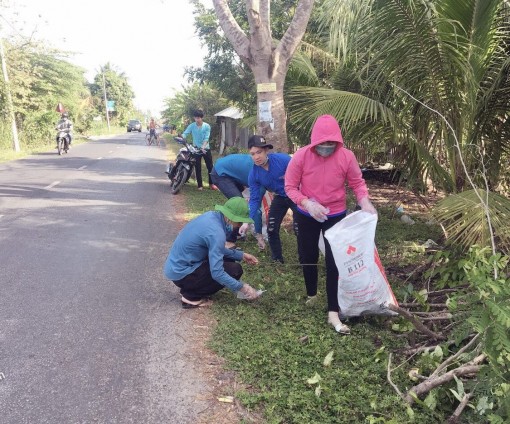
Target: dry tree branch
471,367
419,305
443,317
452,358
463,403
392,384
416,322
423,348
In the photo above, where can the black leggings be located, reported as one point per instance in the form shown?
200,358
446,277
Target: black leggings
277,211
198,167
308,233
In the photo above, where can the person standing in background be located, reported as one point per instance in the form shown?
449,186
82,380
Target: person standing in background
200,132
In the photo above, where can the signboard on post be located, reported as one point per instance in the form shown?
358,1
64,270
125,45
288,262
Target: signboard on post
266,87
110,105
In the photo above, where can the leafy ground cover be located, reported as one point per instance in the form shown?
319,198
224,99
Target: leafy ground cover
293,367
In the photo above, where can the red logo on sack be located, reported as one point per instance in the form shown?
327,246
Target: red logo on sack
351,250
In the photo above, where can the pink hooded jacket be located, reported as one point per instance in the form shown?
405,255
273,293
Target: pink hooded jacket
310,176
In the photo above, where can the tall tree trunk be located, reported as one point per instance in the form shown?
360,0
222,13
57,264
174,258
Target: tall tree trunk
268,59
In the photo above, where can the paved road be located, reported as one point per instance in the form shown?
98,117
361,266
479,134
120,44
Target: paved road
90,331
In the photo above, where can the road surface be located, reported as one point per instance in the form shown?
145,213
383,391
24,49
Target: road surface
90,330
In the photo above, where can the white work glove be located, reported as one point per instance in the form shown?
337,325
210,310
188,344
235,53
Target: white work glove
366,205
261,243
316,210
248,292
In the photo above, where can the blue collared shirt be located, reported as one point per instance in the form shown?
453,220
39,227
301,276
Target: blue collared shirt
272,180
200,134
202,239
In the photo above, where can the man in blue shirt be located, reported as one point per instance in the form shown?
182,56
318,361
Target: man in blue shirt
269,172
230,175
200,132
200,264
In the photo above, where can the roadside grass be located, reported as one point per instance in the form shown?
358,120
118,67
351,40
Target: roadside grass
278,345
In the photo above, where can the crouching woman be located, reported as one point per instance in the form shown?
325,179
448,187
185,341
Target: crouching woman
200,264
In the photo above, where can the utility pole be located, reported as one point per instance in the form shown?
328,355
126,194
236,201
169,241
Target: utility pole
105,102
10,108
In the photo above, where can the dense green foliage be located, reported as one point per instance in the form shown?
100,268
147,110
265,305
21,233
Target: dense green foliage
117,90
451,55
42,77
39,79
179,108
480,305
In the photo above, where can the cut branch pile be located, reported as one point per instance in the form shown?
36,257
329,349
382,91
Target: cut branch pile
451,368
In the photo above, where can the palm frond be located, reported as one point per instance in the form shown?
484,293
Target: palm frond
328,60
465,222
301,71
248,122
307,103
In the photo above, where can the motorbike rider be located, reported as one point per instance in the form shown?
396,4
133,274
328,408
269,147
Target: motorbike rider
66,125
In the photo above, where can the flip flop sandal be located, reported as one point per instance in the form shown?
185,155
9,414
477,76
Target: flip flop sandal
203,302
341,328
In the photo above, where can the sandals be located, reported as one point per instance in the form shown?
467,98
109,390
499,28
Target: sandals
200,303
340,328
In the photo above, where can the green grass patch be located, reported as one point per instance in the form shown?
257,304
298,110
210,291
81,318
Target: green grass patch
101,128
277,344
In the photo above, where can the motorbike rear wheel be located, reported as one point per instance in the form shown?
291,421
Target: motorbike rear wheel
179,180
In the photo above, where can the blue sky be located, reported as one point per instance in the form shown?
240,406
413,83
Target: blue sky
151,41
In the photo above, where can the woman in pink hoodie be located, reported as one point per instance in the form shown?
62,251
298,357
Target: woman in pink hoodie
315,180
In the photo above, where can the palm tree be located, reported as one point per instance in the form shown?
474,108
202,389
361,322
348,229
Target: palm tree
452,55
428,79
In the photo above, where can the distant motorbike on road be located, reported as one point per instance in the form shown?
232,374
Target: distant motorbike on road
63,142
180,171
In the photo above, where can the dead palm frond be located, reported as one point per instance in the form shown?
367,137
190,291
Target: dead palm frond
463,218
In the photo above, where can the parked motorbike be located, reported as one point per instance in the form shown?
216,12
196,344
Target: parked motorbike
62,142
180,171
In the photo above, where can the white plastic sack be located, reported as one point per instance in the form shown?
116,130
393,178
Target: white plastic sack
266,204
362,285
322,245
